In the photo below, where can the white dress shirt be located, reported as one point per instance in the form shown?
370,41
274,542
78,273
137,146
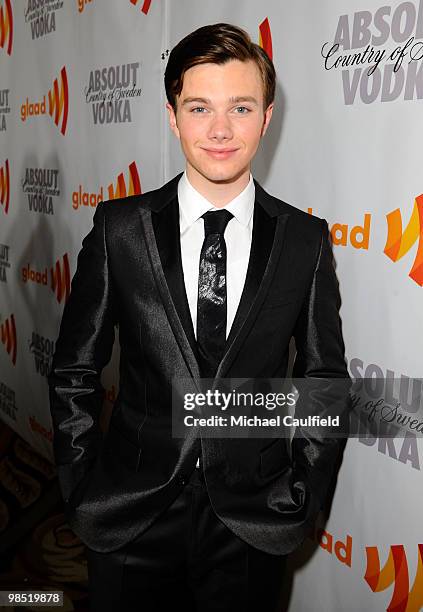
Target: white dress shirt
237,235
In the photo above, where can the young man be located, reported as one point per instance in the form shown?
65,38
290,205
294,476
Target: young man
208,276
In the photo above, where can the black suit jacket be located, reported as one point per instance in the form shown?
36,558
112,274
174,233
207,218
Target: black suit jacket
129,274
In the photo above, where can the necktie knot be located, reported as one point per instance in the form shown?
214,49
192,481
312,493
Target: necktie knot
215,222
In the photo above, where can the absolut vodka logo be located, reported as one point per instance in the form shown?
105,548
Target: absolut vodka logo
7,401
111,91
379,54
41,185
4,108
390,408
41,15
42,349
4,262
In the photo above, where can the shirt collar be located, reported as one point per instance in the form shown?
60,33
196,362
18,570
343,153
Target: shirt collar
192,204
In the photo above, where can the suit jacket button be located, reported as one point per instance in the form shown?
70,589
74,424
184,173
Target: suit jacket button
182,481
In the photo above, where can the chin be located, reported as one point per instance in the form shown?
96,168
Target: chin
223,175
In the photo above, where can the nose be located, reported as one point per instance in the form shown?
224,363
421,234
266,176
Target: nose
220,128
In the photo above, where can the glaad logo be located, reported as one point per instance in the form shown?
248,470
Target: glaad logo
82,198
38,428
357,236
396,572
58,103
145,5
134,187
5,186
340,549
8,337
81,4
59,277
399,242
6,26
265,37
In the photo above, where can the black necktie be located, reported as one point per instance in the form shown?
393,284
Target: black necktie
211,305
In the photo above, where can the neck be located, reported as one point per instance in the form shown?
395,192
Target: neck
218,193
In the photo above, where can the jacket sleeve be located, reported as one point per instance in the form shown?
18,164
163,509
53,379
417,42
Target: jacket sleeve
324,386
83,348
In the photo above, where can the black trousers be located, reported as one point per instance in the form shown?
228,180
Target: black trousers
187,560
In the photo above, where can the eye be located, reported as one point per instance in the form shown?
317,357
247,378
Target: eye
242,110
198,110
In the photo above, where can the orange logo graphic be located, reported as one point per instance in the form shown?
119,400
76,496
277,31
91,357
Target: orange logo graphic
265,37
399,242
145,6
6,26
395,572
5,186
81,4
83,198
341,549
58,101
134,184
39,428
357,235
60,279
8,337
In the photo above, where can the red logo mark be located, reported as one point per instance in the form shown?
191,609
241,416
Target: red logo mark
145,7
265,37
5,186
8,337
399,241
6,26
58,100
60,279
134,186
395,571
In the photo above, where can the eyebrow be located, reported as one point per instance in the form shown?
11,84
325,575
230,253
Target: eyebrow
232,100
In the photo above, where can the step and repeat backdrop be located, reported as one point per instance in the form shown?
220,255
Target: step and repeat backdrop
83,119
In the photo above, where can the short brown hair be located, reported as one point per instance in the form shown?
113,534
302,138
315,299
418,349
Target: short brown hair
217,44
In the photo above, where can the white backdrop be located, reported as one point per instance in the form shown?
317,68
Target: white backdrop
343,143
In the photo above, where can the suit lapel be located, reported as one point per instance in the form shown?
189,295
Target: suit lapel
167,234
266,245
157,211
161,228
261,243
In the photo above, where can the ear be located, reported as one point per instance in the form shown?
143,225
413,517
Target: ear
172,119
267,117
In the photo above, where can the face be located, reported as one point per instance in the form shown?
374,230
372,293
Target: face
219,120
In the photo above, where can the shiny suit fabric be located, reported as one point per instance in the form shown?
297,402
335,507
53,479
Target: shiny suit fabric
188,559
129,277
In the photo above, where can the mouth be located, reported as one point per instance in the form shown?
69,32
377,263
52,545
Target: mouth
220,153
